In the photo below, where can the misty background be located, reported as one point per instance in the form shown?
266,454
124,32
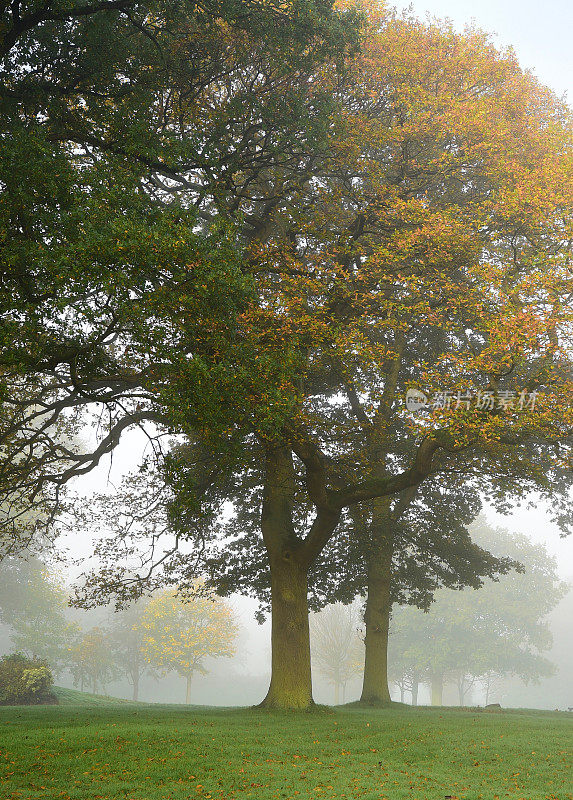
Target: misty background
243,678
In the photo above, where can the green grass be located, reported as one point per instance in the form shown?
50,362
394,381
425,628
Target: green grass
107,751
70,697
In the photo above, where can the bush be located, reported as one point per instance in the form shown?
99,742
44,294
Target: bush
25,681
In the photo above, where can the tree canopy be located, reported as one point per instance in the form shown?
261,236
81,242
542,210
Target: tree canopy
181,633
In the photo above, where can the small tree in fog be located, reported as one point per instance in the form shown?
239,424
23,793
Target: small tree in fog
127,640
180,633
337,647
92,662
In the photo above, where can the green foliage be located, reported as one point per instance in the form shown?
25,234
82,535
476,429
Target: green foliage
91,660
24,680
500,628
33,603
122,271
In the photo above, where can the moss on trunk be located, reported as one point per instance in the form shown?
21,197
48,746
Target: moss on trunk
291,686
378,606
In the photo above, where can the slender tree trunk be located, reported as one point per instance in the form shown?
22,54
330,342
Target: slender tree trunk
415,692
136,685
437,686
291,682
378,606
337,687
461,690
401,692
188,688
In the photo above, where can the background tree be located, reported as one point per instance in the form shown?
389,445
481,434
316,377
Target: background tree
181,633
500,628
126,637
336,645
92,662
33,604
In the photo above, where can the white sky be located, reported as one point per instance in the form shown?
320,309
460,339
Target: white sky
538,30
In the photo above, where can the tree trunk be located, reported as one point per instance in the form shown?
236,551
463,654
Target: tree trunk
401,692
291,682
437,685
461,690
290,557
337,687
337,693
489,686
188,688
378,606
136,686
415,692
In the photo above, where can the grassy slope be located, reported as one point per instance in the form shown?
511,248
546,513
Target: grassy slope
138,752
70,697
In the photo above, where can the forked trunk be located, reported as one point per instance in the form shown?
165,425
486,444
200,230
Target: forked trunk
378,606
290,557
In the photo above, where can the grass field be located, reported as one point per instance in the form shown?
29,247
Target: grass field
105,750
69,697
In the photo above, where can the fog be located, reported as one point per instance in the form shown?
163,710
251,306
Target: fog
243,678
